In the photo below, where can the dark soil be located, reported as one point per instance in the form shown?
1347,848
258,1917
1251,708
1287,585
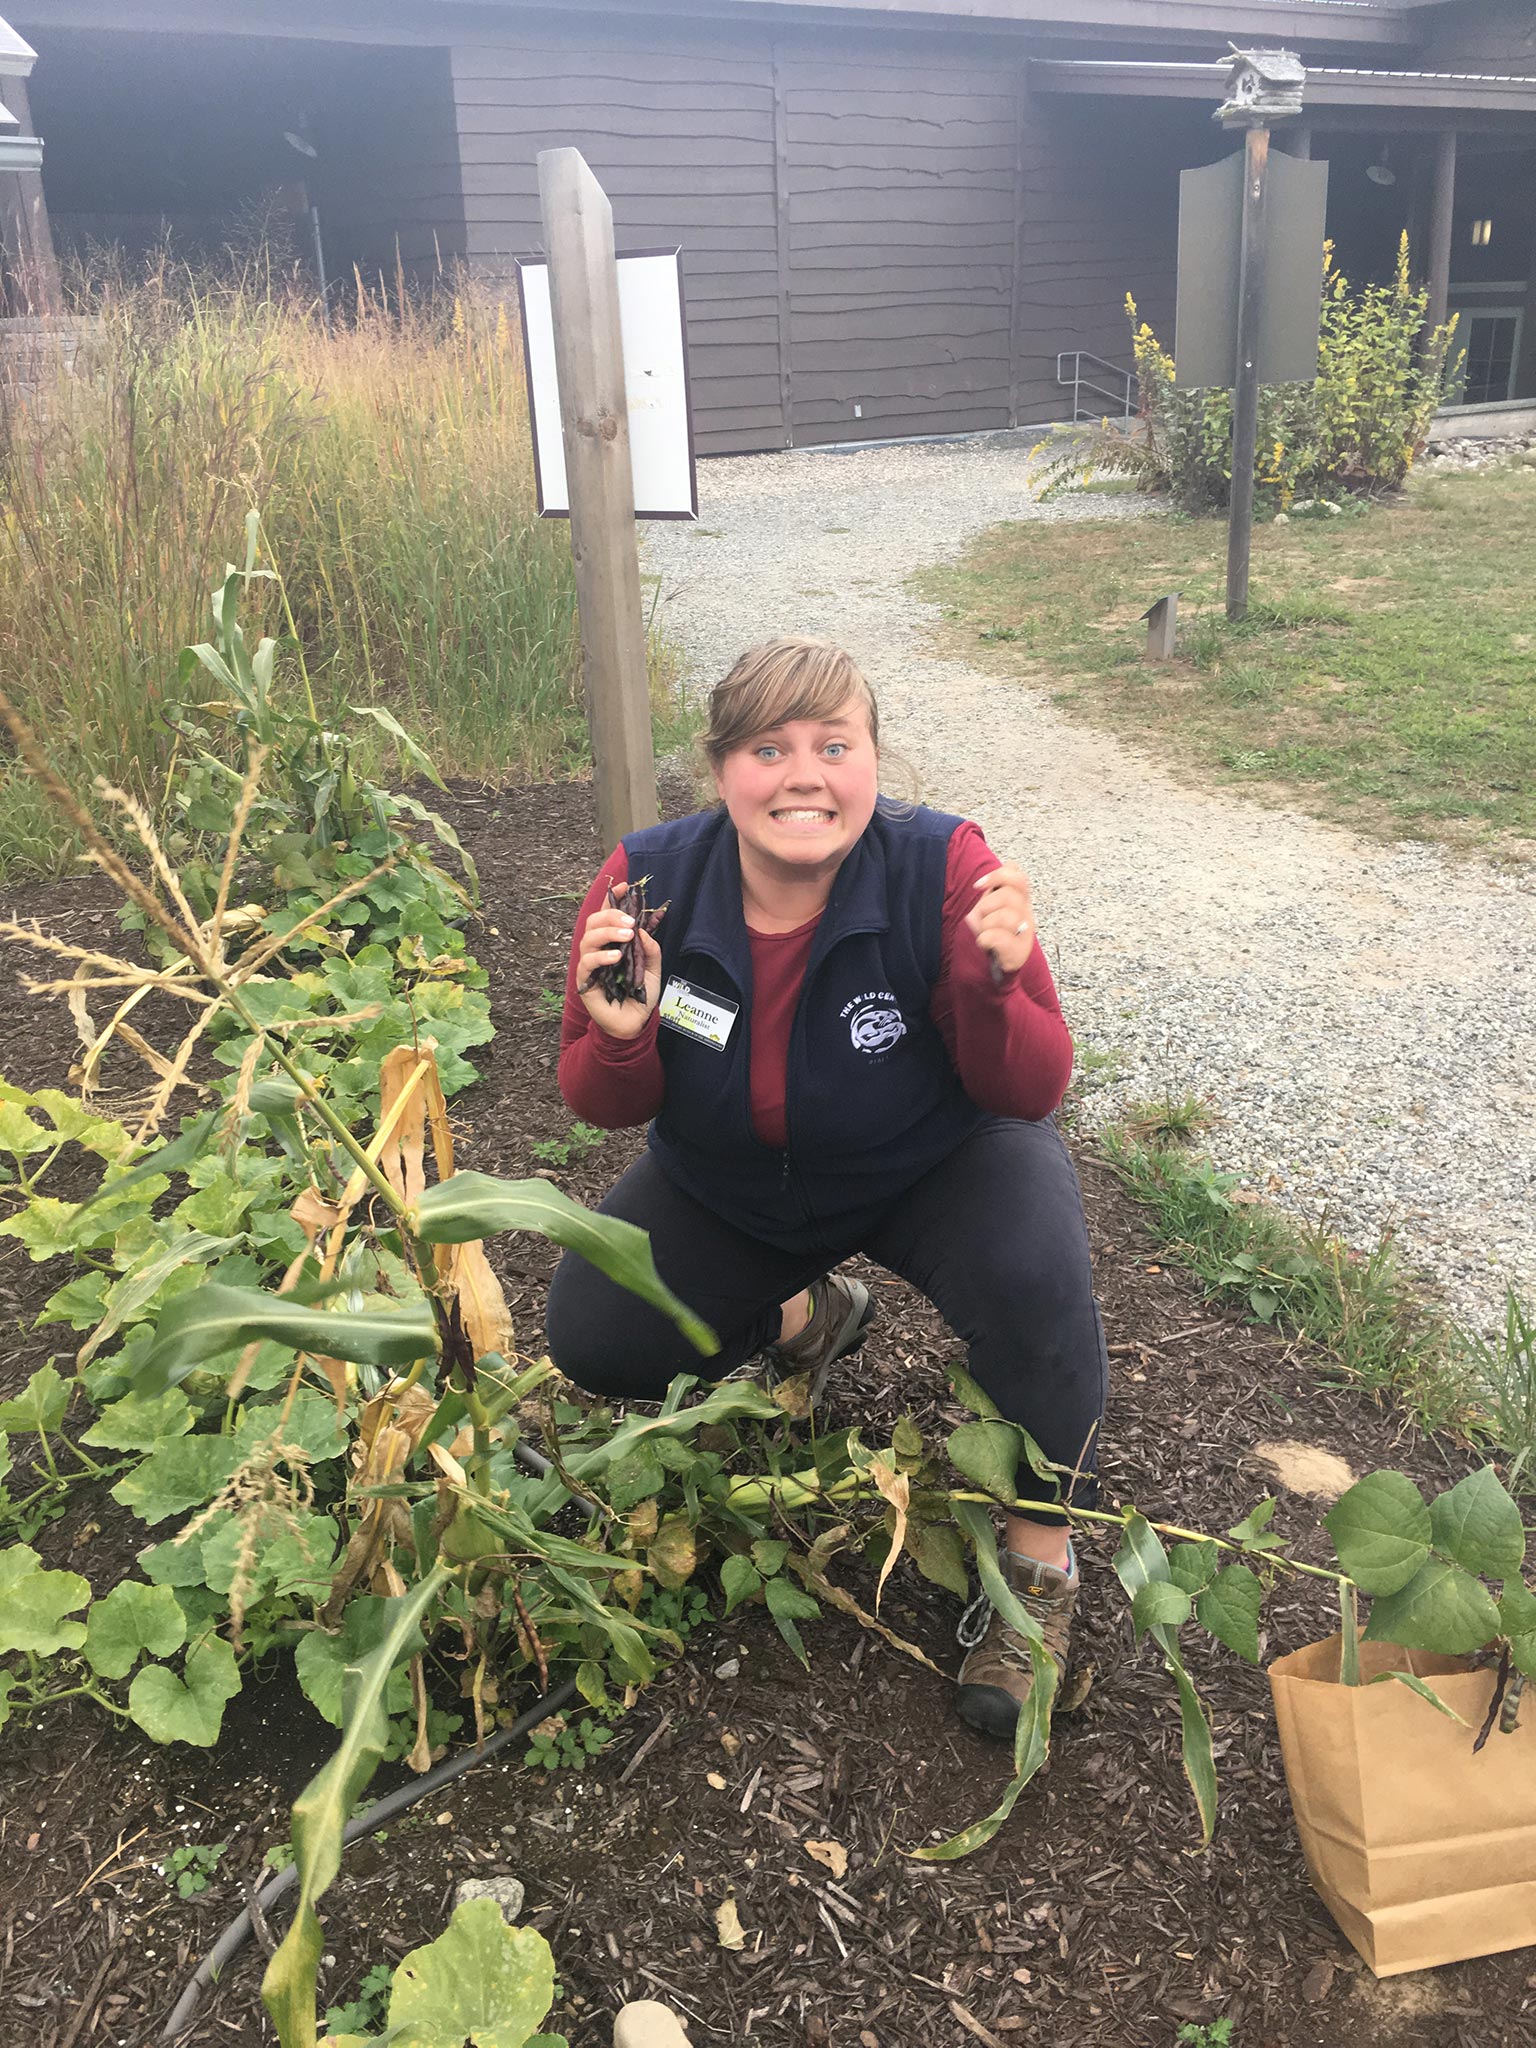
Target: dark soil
1094,1918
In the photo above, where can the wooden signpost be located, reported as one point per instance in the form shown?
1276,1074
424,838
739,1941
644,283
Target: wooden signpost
582,305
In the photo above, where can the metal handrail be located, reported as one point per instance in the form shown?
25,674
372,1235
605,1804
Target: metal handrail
1121,399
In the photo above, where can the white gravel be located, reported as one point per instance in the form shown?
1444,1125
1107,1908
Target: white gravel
1362,1016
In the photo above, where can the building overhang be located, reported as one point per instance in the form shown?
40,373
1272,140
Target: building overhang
1329,90
20,153
16,57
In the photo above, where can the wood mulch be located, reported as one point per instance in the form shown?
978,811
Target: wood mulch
1094,1917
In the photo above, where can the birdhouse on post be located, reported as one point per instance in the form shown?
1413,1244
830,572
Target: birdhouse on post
1263,86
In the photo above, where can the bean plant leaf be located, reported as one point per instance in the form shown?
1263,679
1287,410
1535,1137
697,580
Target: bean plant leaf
473,1205
189,1709
987,1453
1477,1526
19,1136
481,1984
939,1555
1193,1565
1229,1608
34,1604
1382,1531
1254,1529
216,1320
788,1605
740,1578
1441,1608
1140,1561
1159,1603
321,1809
1517,1619
40,1405
134,1620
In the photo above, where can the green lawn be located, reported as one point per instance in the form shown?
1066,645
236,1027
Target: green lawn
1387,675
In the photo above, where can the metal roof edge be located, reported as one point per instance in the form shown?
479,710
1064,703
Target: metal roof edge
16,56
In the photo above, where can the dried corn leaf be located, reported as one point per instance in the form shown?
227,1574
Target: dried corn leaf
896,1488
482,1306
830,1855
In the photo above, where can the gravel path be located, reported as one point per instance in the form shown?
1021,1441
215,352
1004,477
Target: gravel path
1363,1017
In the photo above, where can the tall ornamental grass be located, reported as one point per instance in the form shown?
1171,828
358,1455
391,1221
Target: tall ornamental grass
391,461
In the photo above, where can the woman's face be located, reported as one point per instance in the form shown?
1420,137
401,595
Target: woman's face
801,794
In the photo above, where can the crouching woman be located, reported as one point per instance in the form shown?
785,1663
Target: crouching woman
850,1043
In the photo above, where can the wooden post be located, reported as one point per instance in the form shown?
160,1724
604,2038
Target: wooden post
1442,202
1245,392
594,421
1162,627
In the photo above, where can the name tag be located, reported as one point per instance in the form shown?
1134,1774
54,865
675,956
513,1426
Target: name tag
697,1013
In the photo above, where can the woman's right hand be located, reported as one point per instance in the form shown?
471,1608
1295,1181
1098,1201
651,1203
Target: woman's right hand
606,933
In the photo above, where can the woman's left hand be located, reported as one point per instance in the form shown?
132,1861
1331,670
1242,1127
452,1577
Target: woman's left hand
1004,918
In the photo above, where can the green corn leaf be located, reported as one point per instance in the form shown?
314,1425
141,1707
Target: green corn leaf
1425,1692
476,1205
164,1159
1476,1525
35,1602
1382,1531
398,733
138,1287
1141,1561
216,1320
480,1982
133,1621
1032,1735
1229,1608
971,1394
320,1813
1441,1608
189,1709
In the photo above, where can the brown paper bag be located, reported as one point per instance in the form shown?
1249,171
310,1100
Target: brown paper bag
1422,1852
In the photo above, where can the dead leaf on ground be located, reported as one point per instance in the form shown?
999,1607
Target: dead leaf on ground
714,1778
728,1926
831,1855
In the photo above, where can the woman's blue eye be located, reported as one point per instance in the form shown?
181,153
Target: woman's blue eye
837,749
764,752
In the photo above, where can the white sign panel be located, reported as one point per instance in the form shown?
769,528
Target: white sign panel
655,382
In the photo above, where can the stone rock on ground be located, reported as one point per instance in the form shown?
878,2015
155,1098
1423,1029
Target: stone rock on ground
506,1891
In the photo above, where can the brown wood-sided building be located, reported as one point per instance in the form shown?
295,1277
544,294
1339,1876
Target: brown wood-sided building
895,214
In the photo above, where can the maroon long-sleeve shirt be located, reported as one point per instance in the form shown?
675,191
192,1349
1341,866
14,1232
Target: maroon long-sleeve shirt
1010,1044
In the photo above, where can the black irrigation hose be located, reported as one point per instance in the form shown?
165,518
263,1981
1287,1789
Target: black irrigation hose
238,1932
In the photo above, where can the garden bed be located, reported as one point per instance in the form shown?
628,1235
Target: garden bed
1092,1917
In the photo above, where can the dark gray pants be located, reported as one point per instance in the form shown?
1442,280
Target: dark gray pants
994,1237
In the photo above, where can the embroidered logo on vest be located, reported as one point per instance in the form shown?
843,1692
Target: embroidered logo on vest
874,1021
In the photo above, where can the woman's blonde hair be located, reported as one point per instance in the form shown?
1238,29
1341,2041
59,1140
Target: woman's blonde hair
794,676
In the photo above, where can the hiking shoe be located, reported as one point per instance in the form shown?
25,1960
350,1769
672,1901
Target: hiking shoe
997,1677
841,1313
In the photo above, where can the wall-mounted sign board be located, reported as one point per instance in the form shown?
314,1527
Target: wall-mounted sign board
655,377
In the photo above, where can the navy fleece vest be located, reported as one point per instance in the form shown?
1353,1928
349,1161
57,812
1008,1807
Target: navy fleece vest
872,1099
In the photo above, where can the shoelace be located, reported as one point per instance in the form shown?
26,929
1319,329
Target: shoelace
977,1618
